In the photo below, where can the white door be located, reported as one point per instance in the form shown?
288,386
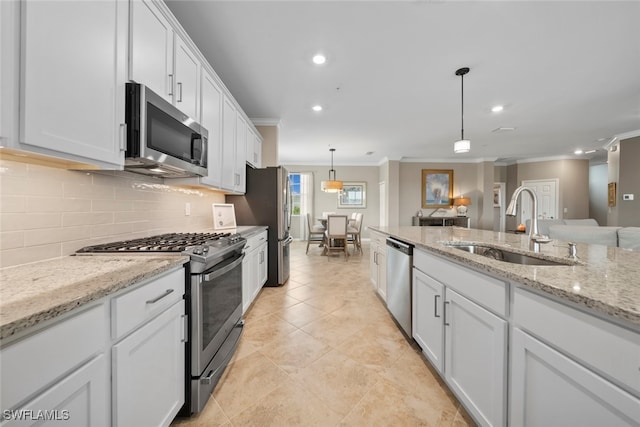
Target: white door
547,193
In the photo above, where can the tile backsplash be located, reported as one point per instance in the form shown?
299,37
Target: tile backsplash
47,212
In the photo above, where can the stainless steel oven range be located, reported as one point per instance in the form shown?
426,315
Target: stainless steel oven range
213,295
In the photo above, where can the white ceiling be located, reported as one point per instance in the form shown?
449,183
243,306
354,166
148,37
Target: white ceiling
568,74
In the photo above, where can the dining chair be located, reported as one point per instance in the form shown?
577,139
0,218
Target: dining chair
336,235
315,233
354,232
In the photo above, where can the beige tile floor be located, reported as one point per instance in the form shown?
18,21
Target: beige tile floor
323,351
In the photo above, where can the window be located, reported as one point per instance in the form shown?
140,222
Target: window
294,178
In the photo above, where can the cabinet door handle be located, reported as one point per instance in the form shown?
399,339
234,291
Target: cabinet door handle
446,303
123,137
179,92
159,297
185,329
435,306
170,85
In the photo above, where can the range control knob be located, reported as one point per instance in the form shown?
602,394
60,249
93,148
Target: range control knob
198,250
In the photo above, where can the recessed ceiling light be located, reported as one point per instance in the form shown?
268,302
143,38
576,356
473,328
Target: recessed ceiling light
317,108
578,151
497,108
319,59
590,152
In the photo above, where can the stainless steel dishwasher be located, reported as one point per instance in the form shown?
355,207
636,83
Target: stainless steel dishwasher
399,265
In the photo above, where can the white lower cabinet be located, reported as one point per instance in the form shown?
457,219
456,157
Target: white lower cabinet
58,372
549,389
378,263
72,372
254,268
462,339
475,358
571,368
79,399
521,358
427,324
148,372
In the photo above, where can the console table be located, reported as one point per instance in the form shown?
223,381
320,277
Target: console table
460,221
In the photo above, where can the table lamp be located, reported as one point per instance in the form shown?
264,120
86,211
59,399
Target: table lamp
461,204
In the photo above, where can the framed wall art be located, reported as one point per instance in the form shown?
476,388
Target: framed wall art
437,188
353,195
224,216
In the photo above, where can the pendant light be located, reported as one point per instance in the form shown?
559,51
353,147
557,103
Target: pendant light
463,145
332,185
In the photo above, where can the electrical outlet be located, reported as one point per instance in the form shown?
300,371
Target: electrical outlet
627,197
187,209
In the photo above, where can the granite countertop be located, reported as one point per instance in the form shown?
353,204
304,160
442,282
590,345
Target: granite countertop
605,280
36,292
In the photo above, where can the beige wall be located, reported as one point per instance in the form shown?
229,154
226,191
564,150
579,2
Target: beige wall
465,183
573,176
598,193
626,213
48,213
269,145
328,202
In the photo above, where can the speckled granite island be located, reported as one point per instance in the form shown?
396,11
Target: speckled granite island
605,279
524,344
37,292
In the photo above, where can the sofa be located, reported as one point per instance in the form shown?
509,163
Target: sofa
588,231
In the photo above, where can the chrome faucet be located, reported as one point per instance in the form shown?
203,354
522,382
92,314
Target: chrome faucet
535,238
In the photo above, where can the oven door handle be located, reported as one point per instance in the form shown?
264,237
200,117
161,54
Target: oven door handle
227,268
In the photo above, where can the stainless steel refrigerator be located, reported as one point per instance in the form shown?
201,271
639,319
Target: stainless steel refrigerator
267,201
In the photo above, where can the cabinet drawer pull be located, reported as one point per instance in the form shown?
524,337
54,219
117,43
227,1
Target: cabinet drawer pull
446,303
435,306
159,297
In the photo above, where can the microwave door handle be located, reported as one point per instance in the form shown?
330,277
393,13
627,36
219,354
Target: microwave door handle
198,139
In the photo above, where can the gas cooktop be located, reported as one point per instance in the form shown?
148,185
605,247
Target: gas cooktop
171,242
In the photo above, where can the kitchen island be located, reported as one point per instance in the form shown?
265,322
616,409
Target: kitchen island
605,280
528,344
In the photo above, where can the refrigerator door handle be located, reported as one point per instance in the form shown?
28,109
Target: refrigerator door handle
286,241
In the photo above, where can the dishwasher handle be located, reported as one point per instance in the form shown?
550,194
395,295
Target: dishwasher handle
401,246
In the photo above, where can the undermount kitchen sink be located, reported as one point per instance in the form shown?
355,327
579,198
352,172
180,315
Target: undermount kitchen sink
508,256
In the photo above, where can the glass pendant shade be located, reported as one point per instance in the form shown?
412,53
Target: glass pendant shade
462,146
332,185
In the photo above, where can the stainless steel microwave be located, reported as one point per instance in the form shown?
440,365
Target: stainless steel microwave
161,140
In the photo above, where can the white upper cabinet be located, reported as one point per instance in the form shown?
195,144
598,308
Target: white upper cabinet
228,166
187,79
162,60
212,96
151,56
254,148
72,80
241,154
